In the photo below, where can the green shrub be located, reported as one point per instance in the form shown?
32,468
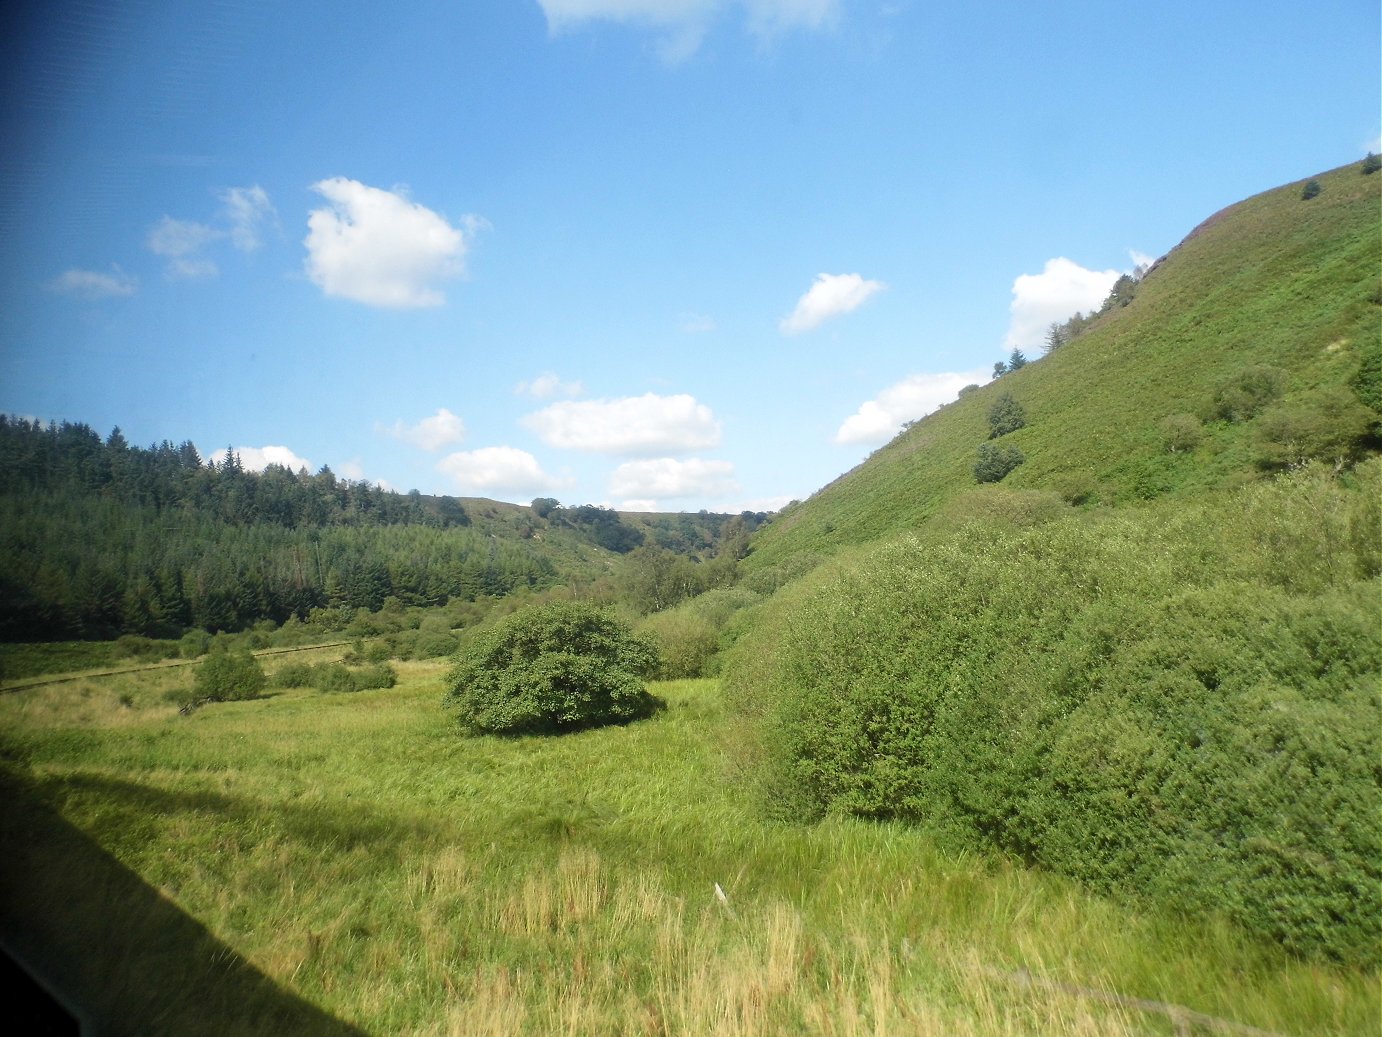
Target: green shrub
228,675
434,644
337,677
1367,380
1371,164
1310,190
1327,425
1180,432
194,644
1172,703
1006,415
551,668
293,675
1243,396
996,462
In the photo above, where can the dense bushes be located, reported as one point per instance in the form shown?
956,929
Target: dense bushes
1170,703
551,668
228,675
335,676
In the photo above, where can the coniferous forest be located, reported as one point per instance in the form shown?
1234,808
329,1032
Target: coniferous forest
102,538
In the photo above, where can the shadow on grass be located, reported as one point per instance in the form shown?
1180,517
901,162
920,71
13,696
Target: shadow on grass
116,953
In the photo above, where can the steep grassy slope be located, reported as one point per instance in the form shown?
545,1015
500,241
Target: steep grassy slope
1273,280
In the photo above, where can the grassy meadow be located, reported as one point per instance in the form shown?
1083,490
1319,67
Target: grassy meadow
349,863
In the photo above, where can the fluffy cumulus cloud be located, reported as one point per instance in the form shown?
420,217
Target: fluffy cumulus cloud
379,248
666,477
879,419
182,243
257,458
632,426
94,284
547,385
831,295
247,210
1062,289
441,429
681,25
498,469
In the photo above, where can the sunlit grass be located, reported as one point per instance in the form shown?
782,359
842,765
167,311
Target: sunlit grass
362,855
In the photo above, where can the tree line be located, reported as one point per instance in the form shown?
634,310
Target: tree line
100,538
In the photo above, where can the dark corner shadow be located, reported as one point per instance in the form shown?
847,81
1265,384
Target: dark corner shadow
116,954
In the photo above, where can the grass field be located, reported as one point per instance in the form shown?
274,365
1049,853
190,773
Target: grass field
336,864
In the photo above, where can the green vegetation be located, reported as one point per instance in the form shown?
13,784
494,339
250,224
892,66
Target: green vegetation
100,538
1006,415
227,676
995,463
1267,283
551,668
1169,703
317,864
1090,747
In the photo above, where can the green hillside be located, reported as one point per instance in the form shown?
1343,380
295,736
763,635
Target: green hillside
1274,281
1148,659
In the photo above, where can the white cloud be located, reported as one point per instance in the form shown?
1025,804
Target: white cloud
498,469
697,323
182,242
247,209
638,505
879,419
257,458
683,24
441,429
94,284
1061,290
633,425
831,295
379,248
668,477
547,385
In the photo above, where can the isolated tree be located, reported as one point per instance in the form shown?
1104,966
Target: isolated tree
1372,163
1056,336
1000,369
551,668
1310,190
995,461
1016,360
226,676
1006,415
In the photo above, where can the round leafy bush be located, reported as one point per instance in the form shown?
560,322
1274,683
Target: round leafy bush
551,668
228,675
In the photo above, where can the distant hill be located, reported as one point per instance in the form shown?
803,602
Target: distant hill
1277,288
100,538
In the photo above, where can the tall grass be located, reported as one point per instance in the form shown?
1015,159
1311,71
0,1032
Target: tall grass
363,857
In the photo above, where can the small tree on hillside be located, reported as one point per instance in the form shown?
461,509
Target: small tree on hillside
1310,190
1016,360
551,668
996,461
1372,163
1006,415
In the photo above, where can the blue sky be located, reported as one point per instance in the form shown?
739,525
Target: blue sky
654,254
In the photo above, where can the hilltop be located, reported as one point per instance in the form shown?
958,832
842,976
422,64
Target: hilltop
1276,282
